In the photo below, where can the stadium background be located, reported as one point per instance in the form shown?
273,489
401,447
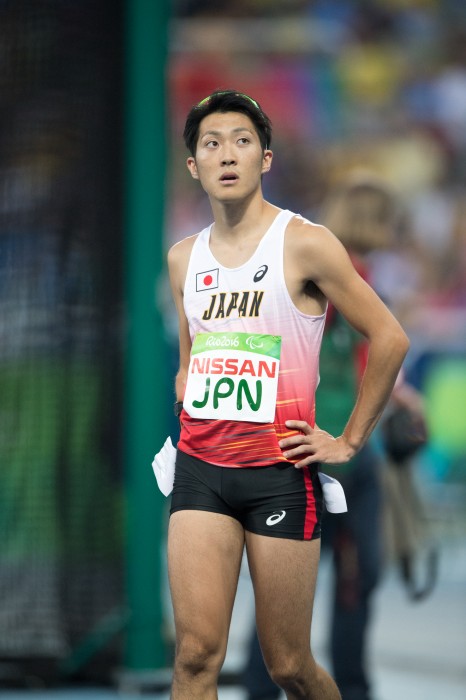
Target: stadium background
93,190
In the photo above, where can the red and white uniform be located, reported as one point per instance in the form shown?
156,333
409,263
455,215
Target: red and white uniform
252,298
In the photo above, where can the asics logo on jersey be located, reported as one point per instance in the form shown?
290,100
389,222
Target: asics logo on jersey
275,518
261,272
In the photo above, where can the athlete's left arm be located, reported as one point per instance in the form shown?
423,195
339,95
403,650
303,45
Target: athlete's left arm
322,259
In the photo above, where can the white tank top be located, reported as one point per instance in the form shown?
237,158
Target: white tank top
252,299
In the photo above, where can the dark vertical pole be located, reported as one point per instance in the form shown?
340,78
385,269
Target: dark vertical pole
146,24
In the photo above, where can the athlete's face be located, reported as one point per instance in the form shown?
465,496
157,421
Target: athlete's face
229,158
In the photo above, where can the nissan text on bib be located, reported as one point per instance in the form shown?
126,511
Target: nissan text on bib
233,376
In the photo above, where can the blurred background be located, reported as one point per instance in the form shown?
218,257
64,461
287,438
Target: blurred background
93,191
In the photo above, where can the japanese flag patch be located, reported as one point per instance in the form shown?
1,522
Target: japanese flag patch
207,280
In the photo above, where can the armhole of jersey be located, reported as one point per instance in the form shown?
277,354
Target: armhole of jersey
282,274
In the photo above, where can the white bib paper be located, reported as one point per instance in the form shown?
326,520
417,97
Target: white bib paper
164,467
333,493
233,376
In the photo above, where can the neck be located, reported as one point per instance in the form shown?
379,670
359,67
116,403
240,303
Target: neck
238,218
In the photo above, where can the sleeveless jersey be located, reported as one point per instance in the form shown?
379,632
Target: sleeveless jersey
252,298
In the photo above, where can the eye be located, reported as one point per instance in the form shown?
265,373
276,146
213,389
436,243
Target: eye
243,140
211,144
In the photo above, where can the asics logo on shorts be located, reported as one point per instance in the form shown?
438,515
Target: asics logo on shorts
275,518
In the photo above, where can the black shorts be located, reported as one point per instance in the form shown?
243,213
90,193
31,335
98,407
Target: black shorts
277,500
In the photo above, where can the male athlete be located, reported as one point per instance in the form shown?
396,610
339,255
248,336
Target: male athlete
251,292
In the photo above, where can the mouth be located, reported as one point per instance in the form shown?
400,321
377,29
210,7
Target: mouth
229,177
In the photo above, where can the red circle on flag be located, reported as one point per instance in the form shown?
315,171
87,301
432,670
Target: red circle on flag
208,279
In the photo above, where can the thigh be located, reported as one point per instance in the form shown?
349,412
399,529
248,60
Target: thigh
284,574
204,559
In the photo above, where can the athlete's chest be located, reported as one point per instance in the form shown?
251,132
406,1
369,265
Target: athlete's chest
217,293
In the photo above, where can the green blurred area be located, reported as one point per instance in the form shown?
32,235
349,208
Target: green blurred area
445,400
53,468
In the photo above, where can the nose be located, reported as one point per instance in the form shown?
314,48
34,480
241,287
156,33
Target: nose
228,157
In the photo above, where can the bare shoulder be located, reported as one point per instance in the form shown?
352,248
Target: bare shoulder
178,260
180,252
313,247
302,234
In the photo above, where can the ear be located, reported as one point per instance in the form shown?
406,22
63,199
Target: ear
191,163
266,161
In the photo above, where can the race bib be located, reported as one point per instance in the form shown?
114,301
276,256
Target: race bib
233,376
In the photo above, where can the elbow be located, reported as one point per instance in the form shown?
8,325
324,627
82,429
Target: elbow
405,341
180,384
393,342
401,343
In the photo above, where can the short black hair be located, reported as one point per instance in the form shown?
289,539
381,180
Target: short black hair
227,101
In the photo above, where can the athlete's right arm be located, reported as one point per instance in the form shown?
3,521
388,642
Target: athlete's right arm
178,259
